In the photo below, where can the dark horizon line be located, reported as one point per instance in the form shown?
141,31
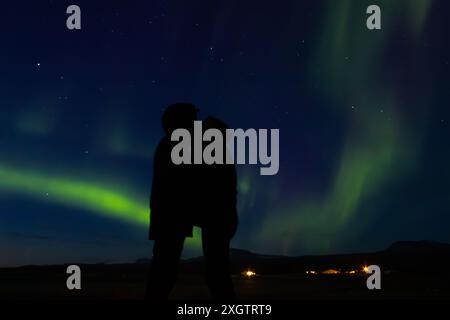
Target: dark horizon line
145,260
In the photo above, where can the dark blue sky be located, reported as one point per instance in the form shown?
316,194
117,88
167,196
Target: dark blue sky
363,118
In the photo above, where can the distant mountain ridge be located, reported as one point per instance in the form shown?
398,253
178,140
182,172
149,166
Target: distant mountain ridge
419,247
420,256
424,246
401,255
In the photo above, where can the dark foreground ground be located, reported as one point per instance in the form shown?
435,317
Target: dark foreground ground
410,270
127,282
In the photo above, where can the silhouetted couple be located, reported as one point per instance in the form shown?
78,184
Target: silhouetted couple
184,196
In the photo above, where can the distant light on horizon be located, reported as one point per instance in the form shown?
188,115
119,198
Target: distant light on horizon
331,271
249,273
336,271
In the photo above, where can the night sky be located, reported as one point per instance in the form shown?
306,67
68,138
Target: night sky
363,115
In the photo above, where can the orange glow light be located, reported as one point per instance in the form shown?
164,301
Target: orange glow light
249,273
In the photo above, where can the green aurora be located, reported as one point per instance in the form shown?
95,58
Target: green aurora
378,143
91,197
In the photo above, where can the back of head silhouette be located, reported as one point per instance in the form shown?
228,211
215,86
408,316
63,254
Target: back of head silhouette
179,115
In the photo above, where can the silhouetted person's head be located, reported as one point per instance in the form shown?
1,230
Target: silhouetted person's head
179,115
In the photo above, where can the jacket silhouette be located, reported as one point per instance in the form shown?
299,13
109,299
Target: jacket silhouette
218,209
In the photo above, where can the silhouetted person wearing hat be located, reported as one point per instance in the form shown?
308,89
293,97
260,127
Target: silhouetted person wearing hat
186,195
